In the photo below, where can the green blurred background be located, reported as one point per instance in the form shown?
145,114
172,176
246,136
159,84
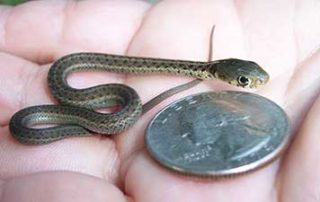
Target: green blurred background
15,2
11,2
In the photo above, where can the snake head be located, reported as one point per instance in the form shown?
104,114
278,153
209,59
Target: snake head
238,72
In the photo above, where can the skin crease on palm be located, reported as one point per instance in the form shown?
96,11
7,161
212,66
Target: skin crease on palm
282,36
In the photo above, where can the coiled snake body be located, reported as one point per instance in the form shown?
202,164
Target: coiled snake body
76,116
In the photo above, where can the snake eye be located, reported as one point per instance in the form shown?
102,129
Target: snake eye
243,81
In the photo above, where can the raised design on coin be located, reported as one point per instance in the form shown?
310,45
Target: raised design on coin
218,134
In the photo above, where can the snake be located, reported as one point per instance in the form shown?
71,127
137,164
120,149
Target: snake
78,111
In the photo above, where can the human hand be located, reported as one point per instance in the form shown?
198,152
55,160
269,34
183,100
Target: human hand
282,37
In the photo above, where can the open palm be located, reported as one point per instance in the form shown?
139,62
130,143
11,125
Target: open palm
283,37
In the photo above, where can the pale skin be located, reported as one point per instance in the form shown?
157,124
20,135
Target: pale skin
281,37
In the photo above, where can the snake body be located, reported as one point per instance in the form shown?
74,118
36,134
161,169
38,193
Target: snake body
77,115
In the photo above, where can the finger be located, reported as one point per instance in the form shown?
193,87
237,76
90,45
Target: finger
44,30
169,186
59,186
303,89
22,84
300,174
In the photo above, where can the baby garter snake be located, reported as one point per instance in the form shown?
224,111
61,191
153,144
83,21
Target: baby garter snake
76,116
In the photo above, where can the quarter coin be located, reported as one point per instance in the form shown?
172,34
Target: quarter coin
218,134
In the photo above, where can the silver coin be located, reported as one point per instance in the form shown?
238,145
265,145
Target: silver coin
218,134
